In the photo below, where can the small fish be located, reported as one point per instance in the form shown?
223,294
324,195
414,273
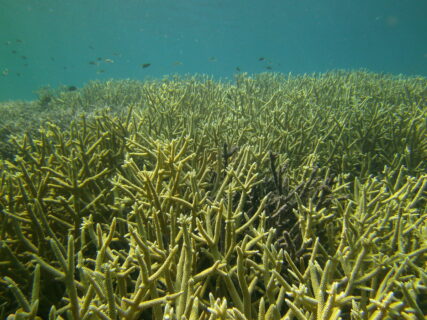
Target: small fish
18,41
261,59
5,72
177,63
238,69
212,59
269,67
93,63
14,51
145,65
100,71
109,60
52,58
72,88
23,57
99,59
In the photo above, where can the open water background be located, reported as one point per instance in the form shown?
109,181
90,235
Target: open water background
62,42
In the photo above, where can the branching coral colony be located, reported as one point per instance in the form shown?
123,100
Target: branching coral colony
275,197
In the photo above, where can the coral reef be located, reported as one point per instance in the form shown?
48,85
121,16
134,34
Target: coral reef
273,197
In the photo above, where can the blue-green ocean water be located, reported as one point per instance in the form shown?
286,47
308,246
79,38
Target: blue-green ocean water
61,42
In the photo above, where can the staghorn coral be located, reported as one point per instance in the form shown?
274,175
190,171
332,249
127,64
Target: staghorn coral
177,203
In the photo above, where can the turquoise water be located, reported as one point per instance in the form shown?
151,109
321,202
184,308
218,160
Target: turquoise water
58,42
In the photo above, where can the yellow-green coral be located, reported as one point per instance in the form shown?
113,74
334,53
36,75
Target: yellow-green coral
275,197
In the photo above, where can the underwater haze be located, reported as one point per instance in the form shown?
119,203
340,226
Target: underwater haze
58,42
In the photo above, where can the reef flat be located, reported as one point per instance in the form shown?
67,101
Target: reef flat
270,197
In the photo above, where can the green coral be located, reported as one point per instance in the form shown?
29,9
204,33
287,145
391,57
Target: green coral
276,197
